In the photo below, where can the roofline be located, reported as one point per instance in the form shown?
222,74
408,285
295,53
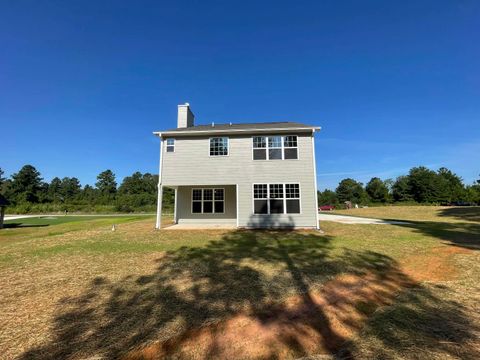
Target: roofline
228,131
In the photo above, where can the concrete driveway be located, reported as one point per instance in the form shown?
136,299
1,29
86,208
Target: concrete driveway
16,217
356,220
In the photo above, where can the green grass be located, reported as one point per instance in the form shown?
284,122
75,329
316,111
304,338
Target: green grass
61,219
86,291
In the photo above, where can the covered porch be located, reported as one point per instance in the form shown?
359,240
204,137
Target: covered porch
202,206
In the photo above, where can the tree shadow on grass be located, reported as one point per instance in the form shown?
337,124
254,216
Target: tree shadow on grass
464,235
420,324
223,301
469,213
22,225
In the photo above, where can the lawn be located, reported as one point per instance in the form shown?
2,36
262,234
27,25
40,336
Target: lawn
75,289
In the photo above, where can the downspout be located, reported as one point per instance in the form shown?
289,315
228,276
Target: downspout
315,179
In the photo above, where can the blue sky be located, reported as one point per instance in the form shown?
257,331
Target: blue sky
393,84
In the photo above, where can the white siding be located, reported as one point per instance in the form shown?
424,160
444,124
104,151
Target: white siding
191,165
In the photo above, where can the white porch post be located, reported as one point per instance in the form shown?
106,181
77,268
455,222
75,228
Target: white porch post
175,208
315,179
158,224
237,204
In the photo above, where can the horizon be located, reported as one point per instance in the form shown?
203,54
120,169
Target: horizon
393,86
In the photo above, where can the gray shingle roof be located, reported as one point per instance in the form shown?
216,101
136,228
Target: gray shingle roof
247,126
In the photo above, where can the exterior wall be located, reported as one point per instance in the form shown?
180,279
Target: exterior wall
191,165
184,206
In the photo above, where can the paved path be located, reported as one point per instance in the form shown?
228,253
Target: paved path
16,217
356,220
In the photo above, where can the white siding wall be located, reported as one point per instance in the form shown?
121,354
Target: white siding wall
191,165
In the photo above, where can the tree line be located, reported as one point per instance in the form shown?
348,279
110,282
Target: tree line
27,192
420,185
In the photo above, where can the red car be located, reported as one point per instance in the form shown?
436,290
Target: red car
327,208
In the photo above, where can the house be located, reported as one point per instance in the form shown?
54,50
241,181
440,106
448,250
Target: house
258,175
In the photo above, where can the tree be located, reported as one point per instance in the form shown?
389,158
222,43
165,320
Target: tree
140,191
3,183
89,194
138,184
401,189
43,193
70,188
106,183
55,190
424,185
451,186
350,190
26,185
327,197
2,179
377,190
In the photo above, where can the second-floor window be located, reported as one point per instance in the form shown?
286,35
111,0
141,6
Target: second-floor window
275,147
170,145
219,146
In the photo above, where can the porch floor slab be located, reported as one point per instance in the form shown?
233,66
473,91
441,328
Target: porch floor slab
200,227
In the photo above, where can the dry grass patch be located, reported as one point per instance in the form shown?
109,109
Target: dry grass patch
141,293
417,213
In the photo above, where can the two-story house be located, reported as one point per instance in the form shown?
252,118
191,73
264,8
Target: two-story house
258,175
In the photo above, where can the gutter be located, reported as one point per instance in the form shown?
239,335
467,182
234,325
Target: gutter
230,131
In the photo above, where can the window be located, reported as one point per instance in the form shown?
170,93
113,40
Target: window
259,148
260,196
219,146
275,147
290,147
170,145
292,194
208,201
276,199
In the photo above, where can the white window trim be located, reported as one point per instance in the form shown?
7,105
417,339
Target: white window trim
228,146
213,201
284,198
283,147
167,146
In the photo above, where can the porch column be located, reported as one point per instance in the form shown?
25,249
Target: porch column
158,224
175,208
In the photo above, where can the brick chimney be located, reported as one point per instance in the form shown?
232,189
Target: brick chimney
185,116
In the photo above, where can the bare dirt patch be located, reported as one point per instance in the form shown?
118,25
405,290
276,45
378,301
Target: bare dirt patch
436,265
313,323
